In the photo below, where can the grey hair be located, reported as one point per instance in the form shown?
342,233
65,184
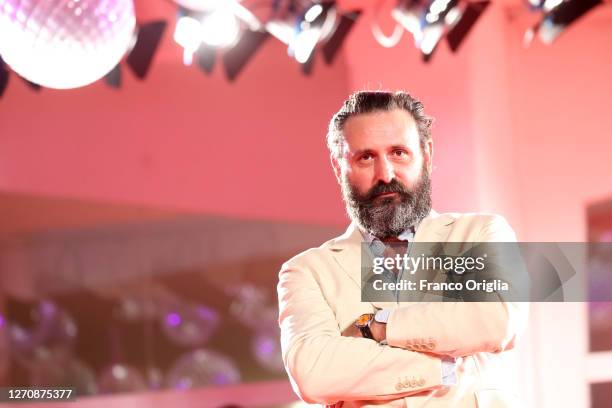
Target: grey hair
362,102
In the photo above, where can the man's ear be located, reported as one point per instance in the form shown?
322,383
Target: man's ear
428,153
336,166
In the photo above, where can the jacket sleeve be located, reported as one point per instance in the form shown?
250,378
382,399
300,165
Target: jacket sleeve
461,328
325,367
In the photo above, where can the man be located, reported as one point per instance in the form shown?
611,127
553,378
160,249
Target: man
340,350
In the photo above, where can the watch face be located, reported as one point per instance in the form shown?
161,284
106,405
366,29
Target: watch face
363,320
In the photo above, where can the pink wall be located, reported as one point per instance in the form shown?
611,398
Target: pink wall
181,140
521,132
562,124
254,148
250,149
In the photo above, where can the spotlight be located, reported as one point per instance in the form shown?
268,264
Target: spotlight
425,21
205,56
432,34
217,26
113,78
188,34
551,4
237,57
429,22
461,21
210,26
303,29
220,28
332,46
561,15
313,12
147,42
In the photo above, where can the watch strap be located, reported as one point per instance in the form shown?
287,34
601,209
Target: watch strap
363,324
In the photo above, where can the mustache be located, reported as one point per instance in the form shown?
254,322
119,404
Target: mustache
393,186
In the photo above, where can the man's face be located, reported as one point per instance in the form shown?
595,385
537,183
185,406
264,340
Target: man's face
384,173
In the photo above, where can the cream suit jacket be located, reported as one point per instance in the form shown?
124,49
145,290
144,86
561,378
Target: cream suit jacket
319,297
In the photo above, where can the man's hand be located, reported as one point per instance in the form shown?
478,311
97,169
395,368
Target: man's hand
352,331
379,331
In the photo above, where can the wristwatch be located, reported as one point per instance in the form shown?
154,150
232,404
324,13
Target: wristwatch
363,324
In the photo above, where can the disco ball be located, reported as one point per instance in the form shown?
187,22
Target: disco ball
189,325
200,368
57,370
121,378
65,43
135,308
53,329
250,307
267,351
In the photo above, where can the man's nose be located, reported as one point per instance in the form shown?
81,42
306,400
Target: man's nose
384,170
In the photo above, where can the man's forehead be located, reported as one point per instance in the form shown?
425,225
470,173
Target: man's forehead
380,129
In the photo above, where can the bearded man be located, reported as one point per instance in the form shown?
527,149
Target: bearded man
341,351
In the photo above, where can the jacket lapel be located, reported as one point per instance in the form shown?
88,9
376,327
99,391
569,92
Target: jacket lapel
346,249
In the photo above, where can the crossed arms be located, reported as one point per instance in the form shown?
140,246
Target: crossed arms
325,367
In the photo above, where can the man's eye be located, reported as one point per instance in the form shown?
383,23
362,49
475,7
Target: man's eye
400,153
365,157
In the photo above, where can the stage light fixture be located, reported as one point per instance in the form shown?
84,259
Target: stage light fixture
236,58
304,26
425,21
430,21
215,27
461,20
146,42
113,78
344,26
205,57
188,34
558,15
220,28
212,25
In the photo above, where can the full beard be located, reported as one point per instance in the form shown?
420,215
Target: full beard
388,217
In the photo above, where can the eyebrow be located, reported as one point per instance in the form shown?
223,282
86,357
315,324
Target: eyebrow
401,147
394,147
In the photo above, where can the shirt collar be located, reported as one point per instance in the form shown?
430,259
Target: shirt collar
378,247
